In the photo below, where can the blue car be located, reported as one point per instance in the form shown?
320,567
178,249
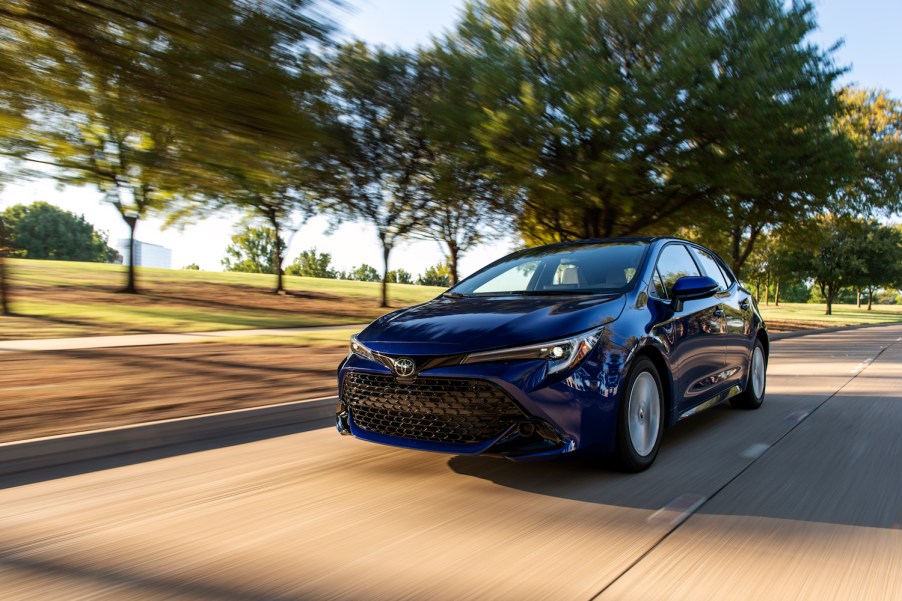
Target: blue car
591,346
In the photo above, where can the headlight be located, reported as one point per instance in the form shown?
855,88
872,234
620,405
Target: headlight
560,354
361,351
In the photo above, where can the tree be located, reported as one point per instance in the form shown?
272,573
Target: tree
400,276
383,157
881,258
192,267
364,273
312,264
251,250
437,275
141,98
466,199
872,122
833,255
43,231
4,282
617,118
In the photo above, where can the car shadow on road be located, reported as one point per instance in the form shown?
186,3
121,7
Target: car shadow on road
162,452
837,468
596,479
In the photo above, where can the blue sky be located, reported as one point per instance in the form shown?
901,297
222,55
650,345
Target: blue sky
872,48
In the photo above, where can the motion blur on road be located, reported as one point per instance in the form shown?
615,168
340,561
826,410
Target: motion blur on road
799,500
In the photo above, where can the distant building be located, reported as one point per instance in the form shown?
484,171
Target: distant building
146,255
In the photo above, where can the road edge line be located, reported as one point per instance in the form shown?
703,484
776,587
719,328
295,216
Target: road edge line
53,451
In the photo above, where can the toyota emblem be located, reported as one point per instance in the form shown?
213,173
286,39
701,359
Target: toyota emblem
405,367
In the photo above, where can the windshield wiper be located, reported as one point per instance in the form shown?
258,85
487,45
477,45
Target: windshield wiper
455,295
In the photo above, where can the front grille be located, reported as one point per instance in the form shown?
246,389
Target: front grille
445,410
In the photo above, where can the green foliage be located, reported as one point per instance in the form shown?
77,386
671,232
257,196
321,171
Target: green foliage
835,254
364,273
379,173
152,101
399,276
437,275
192,267
619,117
467,202
252,250
312,264
872,122
794,291
43,231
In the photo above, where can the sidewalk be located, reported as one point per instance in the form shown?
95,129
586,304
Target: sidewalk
91,342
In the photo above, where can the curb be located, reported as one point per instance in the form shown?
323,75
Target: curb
53,451
799,333
130,340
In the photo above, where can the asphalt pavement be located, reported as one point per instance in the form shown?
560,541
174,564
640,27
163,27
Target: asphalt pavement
801,499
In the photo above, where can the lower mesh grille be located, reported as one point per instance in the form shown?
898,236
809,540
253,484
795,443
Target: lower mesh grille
445,410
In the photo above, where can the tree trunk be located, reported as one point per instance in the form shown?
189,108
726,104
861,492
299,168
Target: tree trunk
386,250
870,294
777,293
767,288
858,295
277,255
758,289
453,253
4,289
829,298
131,287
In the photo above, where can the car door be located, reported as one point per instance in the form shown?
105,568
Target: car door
737,306
695,332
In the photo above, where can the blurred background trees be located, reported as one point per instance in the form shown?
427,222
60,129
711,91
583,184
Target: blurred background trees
716,120
43,231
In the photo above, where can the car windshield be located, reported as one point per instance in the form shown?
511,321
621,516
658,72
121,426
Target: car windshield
594,268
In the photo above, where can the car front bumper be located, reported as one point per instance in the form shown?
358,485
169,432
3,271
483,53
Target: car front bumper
546,416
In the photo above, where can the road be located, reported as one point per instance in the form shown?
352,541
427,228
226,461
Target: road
801,499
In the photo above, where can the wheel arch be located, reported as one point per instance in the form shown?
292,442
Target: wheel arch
765,341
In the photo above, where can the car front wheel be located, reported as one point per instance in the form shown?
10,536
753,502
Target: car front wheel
640,422
753,395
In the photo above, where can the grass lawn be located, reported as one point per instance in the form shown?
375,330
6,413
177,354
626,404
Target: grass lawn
802,316
59,299
54,299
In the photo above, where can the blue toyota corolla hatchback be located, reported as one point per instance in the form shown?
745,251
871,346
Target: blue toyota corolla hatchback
593,346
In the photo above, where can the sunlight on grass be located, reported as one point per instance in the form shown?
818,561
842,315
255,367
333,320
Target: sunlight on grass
62,299
812,315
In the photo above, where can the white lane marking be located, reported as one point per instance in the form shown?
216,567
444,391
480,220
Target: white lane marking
754,451
677,511
797,416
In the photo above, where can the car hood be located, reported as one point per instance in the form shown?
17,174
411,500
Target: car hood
447,326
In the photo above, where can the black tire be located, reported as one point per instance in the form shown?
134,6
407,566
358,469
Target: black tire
629,458
750,398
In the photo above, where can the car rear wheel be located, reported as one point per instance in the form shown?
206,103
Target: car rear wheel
753,395
641,418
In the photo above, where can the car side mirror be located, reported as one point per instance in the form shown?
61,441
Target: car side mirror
692,287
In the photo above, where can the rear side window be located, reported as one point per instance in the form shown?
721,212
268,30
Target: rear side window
712,269
673,264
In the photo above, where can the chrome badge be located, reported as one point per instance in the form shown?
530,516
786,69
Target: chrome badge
405,367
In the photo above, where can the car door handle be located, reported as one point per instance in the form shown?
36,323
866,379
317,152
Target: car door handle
744,304
718,312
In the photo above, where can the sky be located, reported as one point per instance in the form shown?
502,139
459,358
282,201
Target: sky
871,48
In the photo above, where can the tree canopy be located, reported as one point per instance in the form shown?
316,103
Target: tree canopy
43,231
